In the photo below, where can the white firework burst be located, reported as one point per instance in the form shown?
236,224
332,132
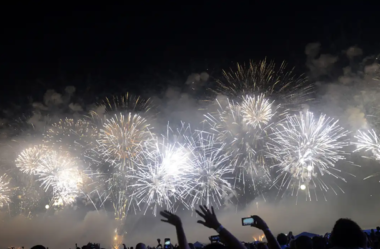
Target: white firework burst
29,159
257,111
368,141
244,128
60,172
122,139
306,149
157,182
210,176
5,191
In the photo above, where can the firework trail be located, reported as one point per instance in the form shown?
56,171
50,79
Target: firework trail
368,141
265,78
306,149
5,191
122,138
244,128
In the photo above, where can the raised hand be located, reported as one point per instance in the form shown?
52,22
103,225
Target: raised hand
209,217
259,223
171,218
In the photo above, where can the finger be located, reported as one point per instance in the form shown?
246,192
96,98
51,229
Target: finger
206,208
212,211
165,214
166,211
203,210
200,214
201,222
165,221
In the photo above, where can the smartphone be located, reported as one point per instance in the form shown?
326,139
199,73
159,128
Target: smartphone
248,221
167,243
214,238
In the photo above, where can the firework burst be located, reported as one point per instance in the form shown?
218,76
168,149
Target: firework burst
244,128
210,174
158,181
60,172
306,149
5,191
368,141
122,139
75,135
268,79
29,160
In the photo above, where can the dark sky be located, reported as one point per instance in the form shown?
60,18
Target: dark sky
42,41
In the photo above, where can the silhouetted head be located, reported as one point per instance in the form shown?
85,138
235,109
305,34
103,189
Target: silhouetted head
346,233
261,245
304,242
282,239
191,245
140,246
38,247
292,244
319,242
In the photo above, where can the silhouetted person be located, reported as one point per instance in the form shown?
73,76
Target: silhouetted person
38,247
347,234
304,242
282,240
140,246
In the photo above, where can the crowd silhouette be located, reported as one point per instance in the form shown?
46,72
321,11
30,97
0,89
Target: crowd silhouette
345,234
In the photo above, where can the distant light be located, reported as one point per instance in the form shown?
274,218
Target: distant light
47,206
115,238
309,168
303,187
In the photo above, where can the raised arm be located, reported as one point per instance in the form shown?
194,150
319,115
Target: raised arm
176,221
260,224
211,221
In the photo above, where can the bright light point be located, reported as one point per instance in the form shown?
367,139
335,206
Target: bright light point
309,168
115,238
47,206
303,187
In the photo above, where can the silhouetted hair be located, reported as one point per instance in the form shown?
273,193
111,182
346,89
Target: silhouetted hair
38,247
191,245
282,239
346,233
319,242
140,246
304,242
214,246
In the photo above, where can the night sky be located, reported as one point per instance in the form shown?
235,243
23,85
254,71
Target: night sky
151,45
120,44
